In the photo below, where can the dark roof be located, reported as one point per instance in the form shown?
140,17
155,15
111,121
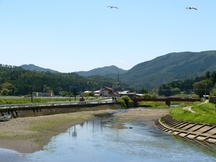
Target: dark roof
108,88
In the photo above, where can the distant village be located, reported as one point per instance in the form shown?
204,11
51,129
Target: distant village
103,92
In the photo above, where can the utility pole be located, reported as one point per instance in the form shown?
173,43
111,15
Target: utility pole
205,89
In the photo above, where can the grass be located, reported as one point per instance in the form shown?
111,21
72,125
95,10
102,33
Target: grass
205,113
22,100
151,104
51,123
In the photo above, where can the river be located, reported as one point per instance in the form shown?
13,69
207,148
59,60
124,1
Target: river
97,141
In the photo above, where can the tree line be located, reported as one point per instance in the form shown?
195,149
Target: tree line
15,81
203,85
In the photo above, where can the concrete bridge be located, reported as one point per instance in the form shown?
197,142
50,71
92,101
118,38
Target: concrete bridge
167,100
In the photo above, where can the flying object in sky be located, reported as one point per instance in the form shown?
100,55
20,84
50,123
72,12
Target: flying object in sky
191,8
112,7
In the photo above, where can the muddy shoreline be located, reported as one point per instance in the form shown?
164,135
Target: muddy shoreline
30,134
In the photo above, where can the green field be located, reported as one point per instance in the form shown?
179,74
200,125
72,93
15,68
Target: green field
202,113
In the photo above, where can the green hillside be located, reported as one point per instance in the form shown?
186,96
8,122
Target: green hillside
183,65
150,74
17,81
33,67
107,71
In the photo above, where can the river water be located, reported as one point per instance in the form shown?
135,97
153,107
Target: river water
97,141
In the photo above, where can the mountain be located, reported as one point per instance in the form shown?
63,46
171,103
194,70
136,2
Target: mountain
33,67
151,74
169,67
107,71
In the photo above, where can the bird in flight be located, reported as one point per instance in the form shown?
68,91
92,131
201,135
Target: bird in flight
191,8
112,7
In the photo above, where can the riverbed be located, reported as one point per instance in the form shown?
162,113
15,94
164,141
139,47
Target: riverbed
98,141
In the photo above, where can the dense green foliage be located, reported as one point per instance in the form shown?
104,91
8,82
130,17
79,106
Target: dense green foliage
202,85
17,81
125,101
204,113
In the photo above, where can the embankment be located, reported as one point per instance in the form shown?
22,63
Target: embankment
200,133
55,109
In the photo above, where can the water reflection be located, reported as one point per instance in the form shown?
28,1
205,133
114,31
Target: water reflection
10,155
73,132
97,141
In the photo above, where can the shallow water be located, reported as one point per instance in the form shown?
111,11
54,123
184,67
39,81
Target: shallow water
96,141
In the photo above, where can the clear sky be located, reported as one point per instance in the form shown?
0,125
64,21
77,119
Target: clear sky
80,35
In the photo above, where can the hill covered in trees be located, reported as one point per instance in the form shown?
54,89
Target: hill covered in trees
107,71
17,81
203,85
33,67
169,67
147,75
151,74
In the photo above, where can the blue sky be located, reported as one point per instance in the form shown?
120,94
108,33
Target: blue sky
80,35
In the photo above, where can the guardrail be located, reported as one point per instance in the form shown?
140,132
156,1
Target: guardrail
59,103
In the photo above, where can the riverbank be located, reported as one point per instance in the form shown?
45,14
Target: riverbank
30,134
200,133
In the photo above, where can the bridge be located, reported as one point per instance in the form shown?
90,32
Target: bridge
167,100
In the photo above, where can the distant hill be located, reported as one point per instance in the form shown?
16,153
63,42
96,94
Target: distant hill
151,74
33,67
107,71
169,67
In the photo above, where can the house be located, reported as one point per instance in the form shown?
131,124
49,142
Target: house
97,93
107,92
130,94
42,94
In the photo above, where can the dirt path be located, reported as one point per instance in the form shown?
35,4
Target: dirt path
30,134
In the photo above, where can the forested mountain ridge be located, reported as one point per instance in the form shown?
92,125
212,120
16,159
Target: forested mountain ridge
173,66
108,71
33,67
150,74
17,81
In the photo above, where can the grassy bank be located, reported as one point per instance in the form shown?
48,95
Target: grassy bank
201,113
152,104
22,100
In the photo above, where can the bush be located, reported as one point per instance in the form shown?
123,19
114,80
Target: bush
125,101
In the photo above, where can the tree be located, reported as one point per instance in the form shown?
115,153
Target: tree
175,91
165,90
126,100
213,92
207,75
202,87
148,96
143,91
7,89
213,77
